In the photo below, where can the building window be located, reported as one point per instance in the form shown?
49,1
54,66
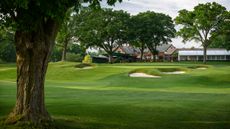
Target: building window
222,57
193,58
183,58
213,58
200,58
209,57
218,57
228,57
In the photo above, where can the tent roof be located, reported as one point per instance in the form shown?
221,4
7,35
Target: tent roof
198,52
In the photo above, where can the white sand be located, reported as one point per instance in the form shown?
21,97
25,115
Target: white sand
201,68
144,75
175,72
87,68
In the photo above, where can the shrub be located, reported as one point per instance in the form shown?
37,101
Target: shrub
56,54
73,57
7,51
99,60
87,59
1,61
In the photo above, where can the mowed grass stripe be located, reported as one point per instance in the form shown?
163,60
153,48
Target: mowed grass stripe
105,97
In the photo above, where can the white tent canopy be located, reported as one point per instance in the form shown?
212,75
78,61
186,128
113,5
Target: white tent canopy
197,54
200,52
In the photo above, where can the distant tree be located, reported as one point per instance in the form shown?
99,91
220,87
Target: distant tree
106,29
7,48
56,54
76,49
36,23
223,39
67,32
153,29
202,24
137,33
140,45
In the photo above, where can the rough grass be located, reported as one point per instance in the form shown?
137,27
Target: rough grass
198,66
106,98
83,65
172,69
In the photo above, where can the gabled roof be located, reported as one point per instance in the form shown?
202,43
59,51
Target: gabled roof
163,47
130,50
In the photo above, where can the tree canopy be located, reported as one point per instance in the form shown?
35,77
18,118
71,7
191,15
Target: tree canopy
152,29
201,24
27,14
106,29
36,23
7,48
67,32
223,39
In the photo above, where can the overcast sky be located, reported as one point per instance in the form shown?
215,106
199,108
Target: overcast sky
170,7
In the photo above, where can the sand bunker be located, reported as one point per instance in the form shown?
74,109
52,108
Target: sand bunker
87,68
201,68
144,75
174,72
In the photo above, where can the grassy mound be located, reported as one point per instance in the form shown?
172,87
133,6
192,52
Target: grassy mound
84,65
198,66
171,69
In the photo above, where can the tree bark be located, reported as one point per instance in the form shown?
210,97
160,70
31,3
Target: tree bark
142,51
64,50
154,57
205,55
33,49
110,52
110,58
155,52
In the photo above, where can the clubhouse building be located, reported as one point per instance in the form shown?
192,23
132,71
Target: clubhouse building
168,52
165,52
213,54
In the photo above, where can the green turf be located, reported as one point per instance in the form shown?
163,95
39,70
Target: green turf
105,97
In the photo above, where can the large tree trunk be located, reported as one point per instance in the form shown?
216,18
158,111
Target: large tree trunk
205,55
155,53
64,50
110,58
154,57
142,51
33,49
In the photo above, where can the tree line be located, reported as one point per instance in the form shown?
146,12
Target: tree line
35,24
108,29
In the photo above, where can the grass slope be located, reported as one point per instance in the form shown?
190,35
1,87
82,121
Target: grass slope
106,98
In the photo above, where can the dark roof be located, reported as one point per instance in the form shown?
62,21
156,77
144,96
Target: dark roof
160,48
130,49
163,47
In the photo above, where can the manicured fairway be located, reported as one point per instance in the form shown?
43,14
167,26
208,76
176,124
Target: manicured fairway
105,97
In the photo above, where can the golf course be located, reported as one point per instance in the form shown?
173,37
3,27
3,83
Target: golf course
105,96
